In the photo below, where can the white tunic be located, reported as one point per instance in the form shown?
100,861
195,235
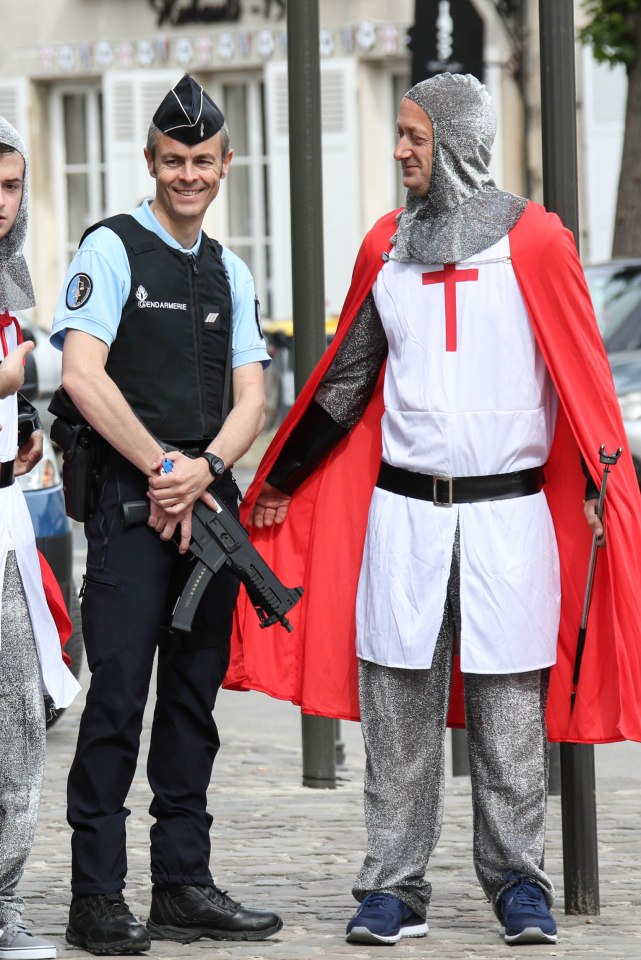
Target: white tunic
472,399
16,533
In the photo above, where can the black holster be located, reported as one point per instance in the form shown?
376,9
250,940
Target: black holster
28,420
83,459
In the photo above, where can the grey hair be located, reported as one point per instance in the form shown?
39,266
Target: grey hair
152,139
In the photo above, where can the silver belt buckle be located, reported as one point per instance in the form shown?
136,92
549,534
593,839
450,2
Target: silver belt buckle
435,480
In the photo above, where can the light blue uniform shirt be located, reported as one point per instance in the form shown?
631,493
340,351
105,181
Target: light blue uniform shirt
102,259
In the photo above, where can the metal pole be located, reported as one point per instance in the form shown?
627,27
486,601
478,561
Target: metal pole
341,756
558,108
554,770
319,752
306,187
460,755
308,279
578,806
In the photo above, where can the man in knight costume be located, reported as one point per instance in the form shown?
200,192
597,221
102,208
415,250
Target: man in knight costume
430,481
30,656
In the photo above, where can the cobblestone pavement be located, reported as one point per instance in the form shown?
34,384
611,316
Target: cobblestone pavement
278,845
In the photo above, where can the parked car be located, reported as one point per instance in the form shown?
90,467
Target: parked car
615,288
626,372
42,487
280,391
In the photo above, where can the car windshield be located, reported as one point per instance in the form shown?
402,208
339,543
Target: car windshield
616,294
626,371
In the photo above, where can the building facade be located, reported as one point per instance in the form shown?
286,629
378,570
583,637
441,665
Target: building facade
81,79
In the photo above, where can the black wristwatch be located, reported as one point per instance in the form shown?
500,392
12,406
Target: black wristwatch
216,465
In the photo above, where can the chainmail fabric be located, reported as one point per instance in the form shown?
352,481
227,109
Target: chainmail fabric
22,740
403,717
348,384
463,211
16,290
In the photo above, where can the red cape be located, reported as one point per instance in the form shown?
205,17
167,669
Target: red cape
320,544
56,604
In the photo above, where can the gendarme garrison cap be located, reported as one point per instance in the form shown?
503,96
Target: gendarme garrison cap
188,113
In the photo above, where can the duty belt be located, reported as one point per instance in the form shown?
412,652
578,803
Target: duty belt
6,473
443,491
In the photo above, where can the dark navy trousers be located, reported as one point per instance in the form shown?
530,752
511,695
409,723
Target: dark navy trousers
131,584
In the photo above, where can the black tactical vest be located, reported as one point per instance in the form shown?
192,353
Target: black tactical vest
173,348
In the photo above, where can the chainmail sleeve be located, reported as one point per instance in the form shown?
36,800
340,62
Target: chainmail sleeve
339,402
346,388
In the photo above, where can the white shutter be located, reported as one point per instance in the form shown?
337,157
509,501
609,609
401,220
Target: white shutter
131,99
341,190
341,187
604,98
13,105
276,107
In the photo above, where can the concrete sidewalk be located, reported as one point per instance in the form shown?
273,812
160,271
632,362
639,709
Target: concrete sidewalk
278,845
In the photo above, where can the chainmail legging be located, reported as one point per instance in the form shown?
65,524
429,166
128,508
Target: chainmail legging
22,740
403,716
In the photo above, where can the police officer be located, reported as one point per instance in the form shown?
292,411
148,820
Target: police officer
160,338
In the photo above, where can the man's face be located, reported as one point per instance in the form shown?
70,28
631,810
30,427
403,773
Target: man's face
187,178
11,180
415,147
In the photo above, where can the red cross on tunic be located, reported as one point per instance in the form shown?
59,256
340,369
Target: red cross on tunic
450,276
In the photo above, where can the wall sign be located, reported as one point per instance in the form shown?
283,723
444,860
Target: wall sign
178,12
448,35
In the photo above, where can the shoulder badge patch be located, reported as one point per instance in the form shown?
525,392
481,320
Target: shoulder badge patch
79,290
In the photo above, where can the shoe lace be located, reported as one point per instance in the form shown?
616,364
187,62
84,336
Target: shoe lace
15,928
220,897
378,900
112,905
526,893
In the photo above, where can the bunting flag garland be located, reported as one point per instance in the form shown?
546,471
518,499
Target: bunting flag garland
326,43
209,49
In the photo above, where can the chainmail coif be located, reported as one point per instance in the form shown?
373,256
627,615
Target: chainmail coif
16,291
463,211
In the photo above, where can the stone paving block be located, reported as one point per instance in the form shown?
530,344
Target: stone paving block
278,845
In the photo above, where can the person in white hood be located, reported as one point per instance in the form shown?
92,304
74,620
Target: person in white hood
30,656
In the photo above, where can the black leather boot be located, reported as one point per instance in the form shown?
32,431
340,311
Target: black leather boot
103,924
186,913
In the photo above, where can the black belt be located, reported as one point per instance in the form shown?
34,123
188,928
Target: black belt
444,491
6,473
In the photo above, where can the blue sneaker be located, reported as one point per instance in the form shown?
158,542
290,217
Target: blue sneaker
524,913
383,918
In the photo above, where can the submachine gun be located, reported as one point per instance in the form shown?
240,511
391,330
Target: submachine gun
218,540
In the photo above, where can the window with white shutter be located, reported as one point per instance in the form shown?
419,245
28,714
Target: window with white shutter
341,187
13,105
604,99
131,99
77,134
246,190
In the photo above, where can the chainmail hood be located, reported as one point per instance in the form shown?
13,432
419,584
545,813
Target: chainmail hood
463,211
16,291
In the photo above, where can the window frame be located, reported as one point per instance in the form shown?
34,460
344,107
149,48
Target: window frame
256,161
95,167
